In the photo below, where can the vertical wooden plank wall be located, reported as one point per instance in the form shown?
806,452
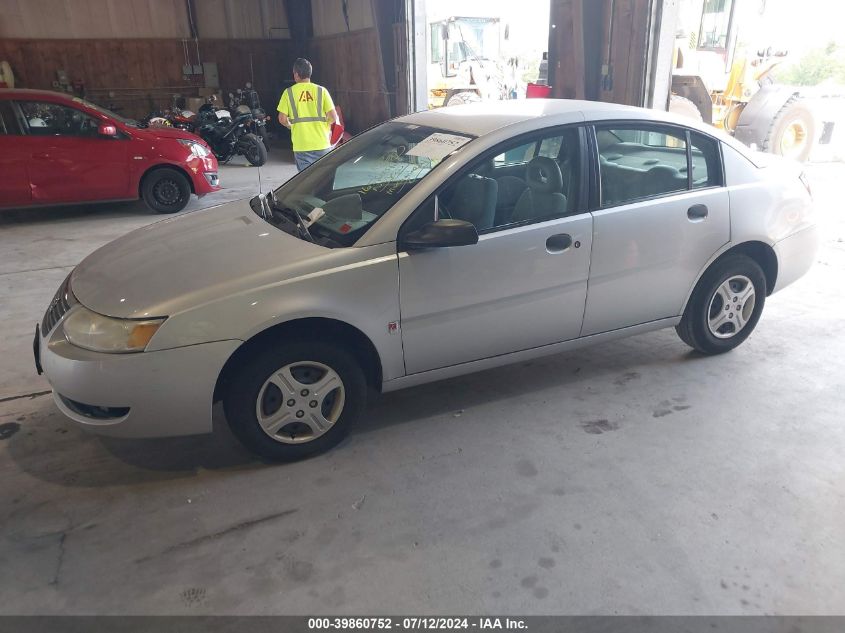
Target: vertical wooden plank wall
629,46
592,34
566,50
349,65
142,74
401,101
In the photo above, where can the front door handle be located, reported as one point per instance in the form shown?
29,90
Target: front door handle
41,156
697,212
558,243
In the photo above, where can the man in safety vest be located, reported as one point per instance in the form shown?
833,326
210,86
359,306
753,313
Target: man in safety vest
307,109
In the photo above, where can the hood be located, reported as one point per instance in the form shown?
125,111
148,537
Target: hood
166,133
182,262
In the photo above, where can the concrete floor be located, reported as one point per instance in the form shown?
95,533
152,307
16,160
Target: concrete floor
633,477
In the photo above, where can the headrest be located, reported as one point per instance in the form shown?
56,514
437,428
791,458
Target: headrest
475,185
347,206
662,173
543,175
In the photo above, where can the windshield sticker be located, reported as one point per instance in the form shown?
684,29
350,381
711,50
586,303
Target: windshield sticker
438,145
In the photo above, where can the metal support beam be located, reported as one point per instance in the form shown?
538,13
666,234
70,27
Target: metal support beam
417,54
661,51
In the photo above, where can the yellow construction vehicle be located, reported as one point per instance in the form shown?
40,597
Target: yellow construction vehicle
464,64
728,82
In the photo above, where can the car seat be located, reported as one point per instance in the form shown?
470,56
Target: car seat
474,200
663,179
543,198
510,190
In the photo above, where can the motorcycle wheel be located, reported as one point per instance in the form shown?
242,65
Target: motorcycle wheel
255,151
265,136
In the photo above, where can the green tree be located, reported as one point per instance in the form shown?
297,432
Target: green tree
815,67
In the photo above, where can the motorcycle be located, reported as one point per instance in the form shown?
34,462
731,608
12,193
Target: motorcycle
175,116
247,101
229,135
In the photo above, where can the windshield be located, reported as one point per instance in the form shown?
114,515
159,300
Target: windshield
470,38
108,113
357,183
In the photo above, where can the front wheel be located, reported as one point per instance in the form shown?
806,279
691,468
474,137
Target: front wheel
725,306
294,399
793,131
461,98
265,136
166,190
254,150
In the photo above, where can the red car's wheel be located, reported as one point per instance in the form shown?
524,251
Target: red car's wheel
166,190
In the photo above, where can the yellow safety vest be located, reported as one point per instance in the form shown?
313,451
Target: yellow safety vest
306,105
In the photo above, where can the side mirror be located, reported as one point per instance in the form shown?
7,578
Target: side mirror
441,234
106,129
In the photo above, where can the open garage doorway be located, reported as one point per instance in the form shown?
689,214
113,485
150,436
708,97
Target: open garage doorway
482,50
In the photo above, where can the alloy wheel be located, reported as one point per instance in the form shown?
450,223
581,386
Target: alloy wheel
300,402
731,307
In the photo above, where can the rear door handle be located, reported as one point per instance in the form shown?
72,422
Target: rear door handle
558,243
697,212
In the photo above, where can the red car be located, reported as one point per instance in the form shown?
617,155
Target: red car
59,149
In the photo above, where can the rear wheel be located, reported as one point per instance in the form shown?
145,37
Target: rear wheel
166,190
725,306
255,151
294,400
793,131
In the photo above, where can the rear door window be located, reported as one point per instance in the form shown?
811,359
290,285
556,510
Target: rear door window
641,161
705,161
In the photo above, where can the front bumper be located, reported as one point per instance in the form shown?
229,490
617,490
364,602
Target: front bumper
204,174
147,394
796,255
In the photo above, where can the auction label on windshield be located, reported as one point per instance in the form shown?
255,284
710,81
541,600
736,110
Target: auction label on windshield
437,145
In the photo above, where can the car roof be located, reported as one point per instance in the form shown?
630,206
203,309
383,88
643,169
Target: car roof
17,93
482,118
485,117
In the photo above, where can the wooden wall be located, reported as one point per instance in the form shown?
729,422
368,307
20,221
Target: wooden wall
349,65
629,39
130,53
566,50
401,100
110,19
142,74
328,18
598,49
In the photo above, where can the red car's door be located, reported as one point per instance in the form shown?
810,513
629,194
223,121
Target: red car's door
67,159
14,183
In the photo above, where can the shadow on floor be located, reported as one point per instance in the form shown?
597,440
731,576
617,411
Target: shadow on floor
53,449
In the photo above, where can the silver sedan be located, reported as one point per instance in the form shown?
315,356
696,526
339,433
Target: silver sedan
433,245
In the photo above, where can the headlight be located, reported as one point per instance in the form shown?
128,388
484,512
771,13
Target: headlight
197,149
99,333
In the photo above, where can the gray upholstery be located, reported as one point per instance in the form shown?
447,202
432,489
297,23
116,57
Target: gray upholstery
348,206
662,179
510,189
543,198
474,200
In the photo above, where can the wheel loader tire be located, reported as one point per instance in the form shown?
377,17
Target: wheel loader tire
793,131
460,98
684,107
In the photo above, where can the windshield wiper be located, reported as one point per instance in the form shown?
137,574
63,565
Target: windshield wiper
302,227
